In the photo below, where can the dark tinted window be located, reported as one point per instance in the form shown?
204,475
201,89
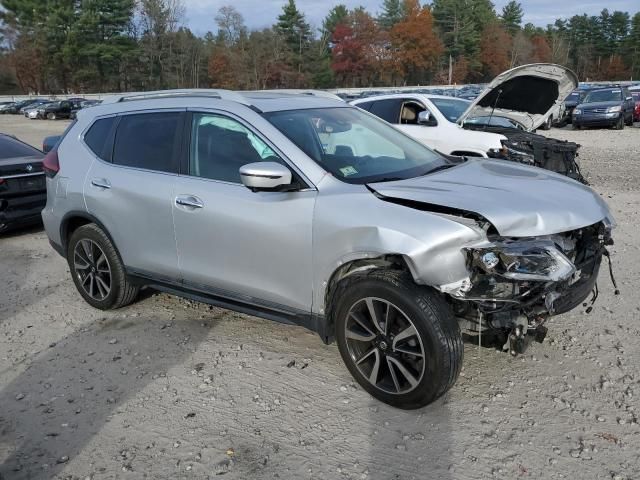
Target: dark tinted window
148,141
388,110
97,136
12,148
365,106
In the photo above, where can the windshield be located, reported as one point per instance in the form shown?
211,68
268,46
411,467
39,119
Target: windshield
573,97
451,108
604,96
354,146
494,121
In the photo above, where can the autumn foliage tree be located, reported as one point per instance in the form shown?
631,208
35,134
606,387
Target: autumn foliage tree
495,48
417,49
541,50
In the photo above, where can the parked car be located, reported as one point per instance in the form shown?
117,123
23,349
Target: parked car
49,142
304,209
83,104
7,108
572,101
61,109
605,107
22,184
32,110
499,123
32,104
431,119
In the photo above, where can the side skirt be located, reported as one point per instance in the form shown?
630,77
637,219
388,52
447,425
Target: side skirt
250,306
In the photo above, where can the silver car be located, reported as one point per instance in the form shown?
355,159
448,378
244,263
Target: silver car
300,208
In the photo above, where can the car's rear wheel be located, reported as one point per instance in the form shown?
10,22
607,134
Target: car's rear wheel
400,341
97,270
51,116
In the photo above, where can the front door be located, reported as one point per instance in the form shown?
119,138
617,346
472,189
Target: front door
249,246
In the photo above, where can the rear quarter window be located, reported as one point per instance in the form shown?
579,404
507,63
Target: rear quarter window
97,137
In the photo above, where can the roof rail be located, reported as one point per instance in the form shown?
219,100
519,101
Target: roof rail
299,91
189,92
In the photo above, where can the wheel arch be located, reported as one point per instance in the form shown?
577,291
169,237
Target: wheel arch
76,219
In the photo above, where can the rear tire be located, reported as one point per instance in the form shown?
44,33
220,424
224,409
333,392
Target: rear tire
413,354
97,270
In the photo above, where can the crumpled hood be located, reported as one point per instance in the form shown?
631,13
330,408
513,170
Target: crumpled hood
526,94
519,201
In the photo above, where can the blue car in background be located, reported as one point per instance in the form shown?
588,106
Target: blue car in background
605,107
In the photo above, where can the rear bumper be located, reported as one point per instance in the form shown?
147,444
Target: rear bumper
21,210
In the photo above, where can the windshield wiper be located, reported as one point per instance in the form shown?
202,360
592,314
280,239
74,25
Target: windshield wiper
441,167
388,179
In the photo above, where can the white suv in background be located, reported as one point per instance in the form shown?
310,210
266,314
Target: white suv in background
431,119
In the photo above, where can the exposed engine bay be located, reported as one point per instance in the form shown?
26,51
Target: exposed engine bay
536,150
516,284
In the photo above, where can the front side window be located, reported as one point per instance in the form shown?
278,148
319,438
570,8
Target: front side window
221,145
354,146
148,140
410,111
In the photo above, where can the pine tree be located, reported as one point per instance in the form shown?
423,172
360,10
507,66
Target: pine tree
512,16
296,33
392,13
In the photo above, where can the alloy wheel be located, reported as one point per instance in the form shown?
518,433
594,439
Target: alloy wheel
92,269
385,345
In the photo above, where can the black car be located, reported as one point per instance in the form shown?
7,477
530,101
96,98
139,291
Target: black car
572,101
605,107
61,109
17,106
23,192
84,104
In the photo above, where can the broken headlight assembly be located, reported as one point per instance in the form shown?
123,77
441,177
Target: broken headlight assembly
510,152
526,261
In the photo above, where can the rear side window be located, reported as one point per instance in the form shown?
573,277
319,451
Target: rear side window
97,137
148,141
388,110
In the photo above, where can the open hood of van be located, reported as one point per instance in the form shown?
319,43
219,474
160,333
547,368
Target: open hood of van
525,94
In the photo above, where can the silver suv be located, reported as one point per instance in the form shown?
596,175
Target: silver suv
303,209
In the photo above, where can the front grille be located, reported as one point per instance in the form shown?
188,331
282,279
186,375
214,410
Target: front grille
596,110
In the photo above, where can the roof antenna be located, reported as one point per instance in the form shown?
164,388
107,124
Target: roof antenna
493,108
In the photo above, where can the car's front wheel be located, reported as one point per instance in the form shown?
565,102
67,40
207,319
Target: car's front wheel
51,116
399,340
620,123
97,270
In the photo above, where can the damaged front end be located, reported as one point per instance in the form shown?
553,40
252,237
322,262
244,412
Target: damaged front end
538,151
516,284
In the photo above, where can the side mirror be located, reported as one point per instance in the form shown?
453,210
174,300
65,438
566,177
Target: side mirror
425,118
265,176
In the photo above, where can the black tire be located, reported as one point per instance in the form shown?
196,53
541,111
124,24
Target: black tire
575,126
121,291
620,123
437,334
51,116
630,122
547,124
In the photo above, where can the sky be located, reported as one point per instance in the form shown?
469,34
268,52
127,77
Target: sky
263,13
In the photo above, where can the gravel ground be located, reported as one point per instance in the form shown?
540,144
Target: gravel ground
169,388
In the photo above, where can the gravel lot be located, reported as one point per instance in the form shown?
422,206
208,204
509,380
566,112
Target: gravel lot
169,388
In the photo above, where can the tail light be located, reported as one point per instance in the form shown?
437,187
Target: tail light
50,164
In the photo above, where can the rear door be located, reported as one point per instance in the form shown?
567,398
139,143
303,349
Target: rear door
129,187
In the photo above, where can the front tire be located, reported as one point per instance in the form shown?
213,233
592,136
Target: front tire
97,270
51,116
399,340
620,123
547,124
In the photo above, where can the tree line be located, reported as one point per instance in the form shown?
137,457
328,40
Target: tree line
76,46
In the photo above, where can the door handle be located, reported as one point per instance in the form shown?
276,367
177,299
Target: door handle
101,183
189,201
